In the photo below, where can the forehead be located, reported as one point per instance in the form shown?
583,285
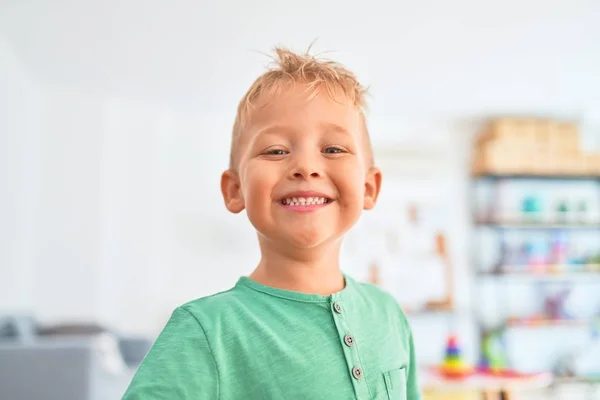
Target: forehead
302,105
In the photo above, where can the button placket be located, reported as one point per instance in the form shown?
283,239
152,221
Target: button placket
350,350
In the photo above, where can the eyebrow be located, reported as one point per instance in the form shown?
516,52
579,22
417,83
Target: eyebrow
331,127
324,127
274,129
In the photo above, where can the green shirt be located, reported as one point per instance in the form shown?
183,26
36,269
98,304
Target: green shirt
259,342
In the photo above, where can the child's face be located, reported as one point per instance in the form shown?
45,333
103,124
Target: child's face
294,149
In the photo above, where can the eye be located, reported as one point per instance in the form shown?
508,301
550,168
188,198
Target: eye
276,152
333,150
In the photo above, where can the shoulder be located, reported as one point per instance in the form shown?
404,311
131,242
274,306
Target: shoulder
380,299
219,309
377,294
212,304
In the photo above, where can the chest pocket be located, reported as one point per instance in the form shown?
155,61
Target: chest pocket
395,383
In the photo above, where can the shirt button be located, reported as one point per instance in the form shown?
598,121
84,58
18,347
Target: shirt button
337,307
349,340
357,373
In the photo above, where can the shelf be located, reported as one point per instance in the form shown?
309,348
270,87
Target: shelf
542,323
535,225
552,269
577,379
430,313
588,273
589,278
557,177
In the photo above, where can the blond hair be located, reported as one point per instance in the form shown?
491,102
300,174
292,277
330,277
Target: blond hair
290,67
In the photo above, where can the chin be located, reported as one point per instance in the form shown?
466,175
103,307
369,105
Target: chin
306,245
311,239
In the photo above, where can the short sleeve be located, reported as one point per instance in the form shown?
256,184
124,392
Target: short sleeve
180,364
413,391
412,384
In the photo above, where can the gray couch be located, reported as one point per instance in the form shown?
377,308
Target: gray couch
95,366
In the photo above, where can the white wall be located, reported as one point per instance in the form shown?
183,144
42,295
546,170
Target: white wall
110,205
20,152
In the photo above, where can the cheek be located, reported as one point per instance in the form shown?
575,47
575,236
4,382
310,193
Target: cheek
351,185
257,187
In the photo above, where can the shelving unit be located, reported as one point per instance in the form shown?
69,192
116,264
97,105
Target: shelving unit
532,246
504,276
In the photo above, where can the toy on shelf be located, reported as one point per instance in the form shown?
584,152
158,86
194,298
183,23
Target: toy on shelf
494,357
532,208
554,305
562,212
558,249
554,309
536,252
454,366
552,253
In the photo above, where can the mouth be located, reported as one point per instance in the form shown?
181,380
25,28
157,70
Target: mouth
305,201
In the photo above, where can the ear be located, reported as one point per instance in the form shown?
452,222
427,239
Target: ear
372,187
232,191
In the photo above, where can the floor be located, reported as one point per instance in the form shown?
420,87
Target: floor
561,392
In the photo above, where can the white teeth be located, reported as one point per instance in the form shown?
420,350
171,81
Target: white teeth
304,201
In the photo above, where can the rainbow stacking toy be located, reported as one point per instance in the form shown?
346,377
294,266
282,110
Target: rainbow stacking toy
454,365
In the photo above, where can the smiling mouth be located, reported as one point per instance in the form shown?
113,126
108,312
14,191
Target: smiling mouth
305,201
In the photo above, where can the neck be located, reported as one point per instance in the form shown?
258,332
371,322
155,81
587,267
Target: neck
314,271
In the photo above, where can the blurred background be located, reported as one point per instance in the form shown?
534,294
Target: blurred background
115,122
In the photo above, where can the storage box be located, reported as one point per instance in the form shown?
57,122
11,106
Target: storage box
532,146
509,131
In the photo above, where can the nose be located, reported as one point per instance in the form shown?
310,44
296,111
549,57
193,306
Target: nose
302,175
304,168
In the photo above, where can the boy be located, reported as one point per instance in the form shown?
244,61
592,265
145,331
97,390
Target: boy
296,328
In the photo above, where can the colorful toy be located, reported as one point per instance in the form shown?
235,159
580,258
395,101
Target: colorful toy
532,208
537,253
562,210
554,305
454,365
493,351
494,357
558,252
